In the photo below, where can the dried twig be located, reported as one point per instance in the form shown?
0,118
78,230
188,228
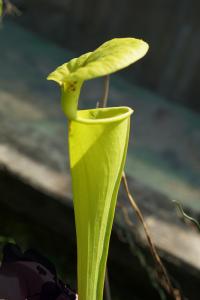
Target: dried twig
162,273
126,236
126,215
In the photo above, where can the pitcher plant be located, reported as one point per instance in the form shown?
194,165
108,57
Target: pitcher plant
98,140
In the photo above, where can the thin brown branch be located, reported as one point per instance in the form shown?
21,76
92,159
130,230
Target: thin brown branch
126,215
162,272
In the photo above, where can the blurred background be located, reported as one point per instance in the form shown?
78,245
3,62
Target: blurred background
170,27
163,161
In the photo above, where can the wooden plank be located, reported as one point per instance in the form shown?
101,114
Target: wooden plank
169,234
42,177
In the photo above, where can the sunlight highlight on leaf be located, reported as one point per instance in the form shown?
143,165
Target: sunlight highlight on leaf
110,57
98,142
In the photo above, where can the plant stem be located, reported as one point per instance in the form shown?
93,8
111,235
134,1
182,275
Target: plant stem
160,267
104,101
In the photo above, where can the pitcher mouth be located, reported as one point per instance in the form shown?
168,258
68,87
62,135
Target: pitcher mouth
103,115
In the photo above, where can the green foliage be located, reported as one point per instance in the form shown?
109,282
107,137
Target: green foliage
98,140
1,7
110,57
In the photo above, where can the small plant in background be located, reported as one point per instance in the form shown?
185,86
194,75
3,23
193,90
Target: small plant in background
98,140
7,8
1,8
185,216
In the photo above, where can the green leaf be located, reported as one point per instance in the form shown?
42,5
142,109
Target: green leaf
98,141
110,57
